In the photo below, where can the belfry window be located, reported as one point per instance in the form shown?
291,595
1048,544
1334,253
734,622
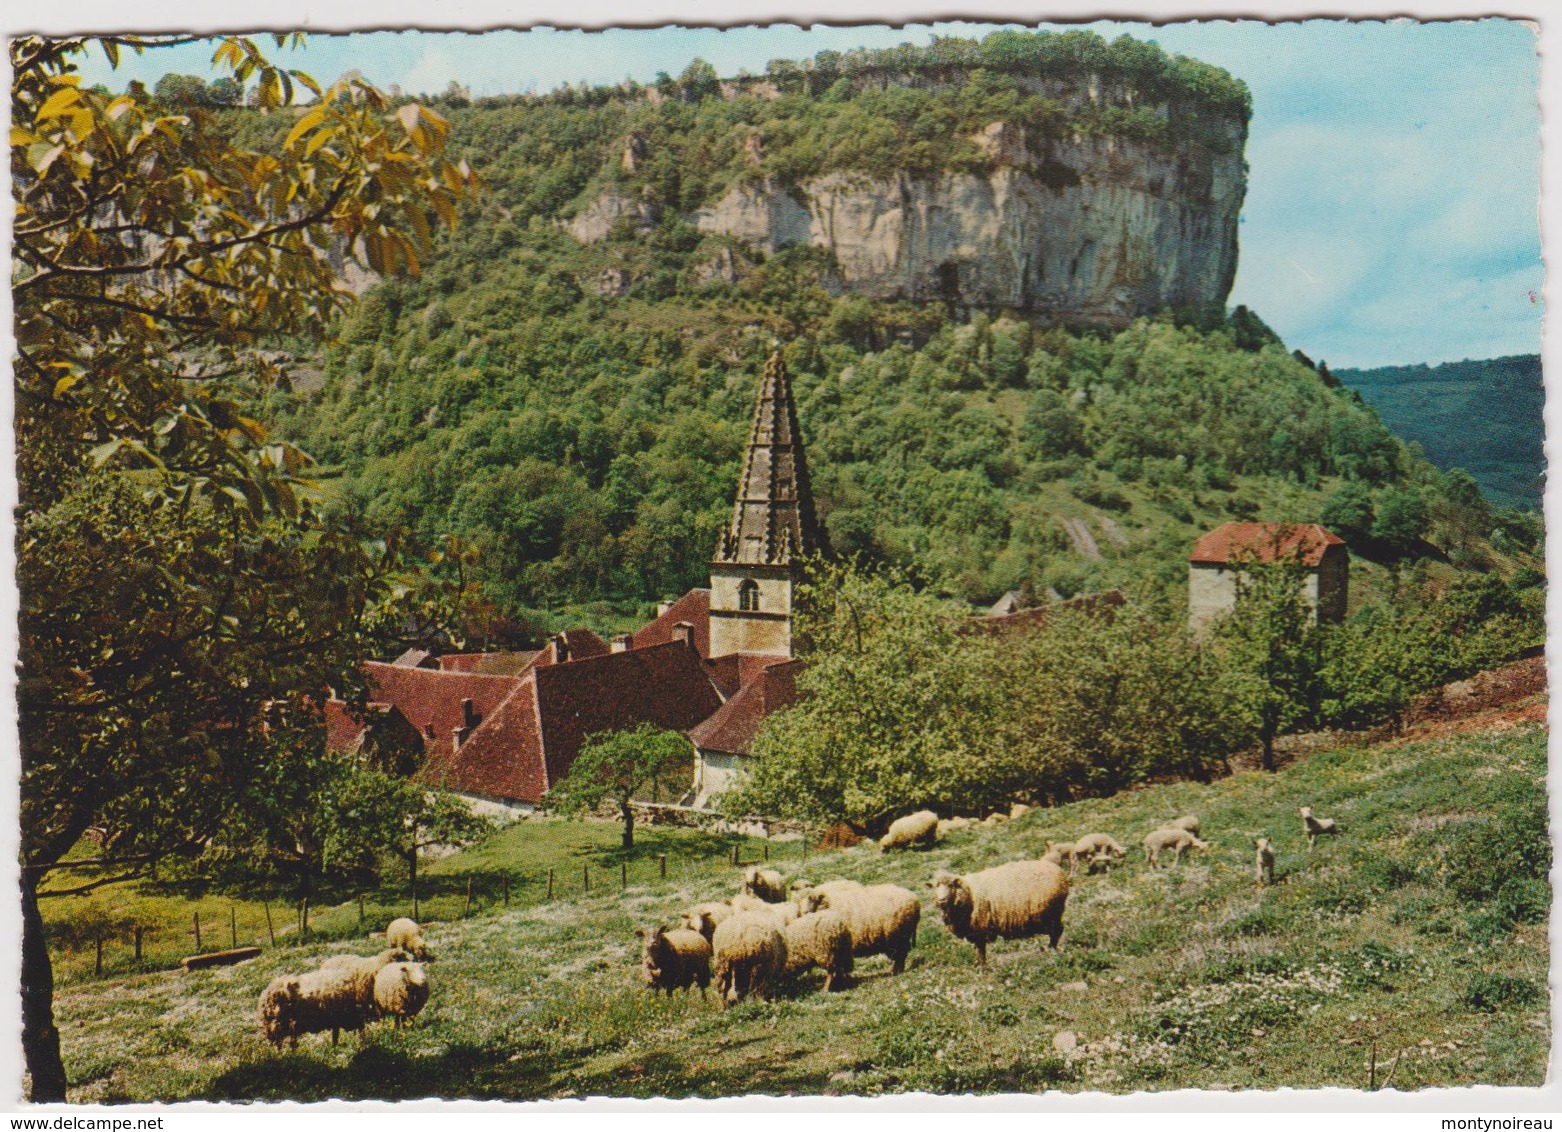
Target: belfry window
748,595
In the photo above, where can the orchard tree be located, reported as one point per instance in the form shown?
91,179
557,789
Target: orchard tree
618,767
177,581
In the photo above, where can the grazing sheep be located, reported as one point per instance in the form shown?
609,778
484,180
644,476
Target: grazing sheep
766,884
1058,852
920,828
1187,822
802,888
1177,840
400,990
1097,848
953,825
823,940
1018,810
1265,863
883,918
703,918
781,913
1013,901
750,955
995,818
406,934
1316,827
339,996
674,960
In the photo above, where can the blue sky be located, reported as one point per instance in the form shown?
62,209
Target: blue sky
1392,208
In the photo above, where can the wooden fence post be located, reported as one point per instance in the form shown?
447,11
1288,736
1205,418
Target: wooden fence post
506,890
623,874
734,856
270,931
767,850
585,878
360,909
661,860
306,917
138,943
415,915
550,882
233,924
197,929
97,958
467,910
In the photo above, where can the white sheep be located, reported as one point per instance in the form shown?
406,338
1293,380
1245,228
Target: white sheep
405,934
920,828
1018,810
1058,852
1012,901
674,960
1264,862
994,819
781,913
750,956
328,999
883,917
953,825
823,940
1177,840
1316,827
1097,848
703,918
766,884
400,991
1188,822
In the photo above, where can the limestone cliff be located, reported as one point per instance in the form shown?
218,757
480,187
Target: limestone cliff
1096,230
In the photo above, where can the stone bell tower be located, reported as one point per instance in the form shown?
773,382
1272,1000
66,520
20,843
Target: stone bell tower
772,529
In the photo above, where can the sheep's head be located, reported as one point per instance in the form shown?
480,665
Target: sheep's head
1263,845
952,897
653,951
809,901
1306,812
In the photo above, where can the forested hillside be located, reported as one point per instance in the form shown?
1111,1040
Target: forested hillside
1482,416
575,412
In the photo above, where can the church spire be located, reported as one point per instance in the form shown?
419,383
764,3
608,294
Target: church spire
773,521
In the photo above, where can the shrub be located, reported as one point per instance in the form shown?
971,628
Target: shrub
1514,844
1491,992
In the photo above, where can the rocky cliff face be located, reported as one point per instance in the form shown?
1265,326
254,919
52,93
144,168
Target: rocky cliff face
1093,230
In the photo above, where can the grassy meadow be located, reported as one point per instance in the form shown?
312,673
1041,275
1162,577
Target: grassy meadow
1411,941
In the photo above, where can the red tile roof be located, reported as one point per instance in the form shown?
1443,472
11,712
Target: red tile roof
732,729
430,698
1306,543
693,607
488,663
1100,604
503,758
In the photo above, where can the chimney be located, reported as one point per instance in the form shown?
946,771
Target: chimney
622,642
560,648
662,607
428,732
457,737
684,631
468,715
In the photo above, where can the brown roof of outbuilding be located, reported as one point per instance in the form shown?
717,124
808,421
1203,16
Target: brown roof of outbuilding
430,698
503,758
488,663
1306,543
732,729
693,607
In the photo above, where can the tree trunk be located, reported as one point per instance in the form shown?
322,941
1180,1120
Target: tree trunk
40,1039
629,823
1267,738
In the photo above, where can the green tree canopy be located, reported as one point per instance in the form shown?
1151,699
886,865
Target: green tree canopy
620,767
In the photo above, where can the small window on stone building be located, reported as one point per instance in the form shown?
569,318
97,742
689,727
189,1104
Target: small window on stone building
748,595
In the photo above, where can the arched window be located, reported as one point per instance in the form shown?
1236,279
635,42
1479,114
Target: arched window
748,595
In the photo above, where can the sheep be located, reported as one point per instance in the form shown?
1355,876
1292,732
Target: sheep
674,960
802,888
1013,901
994,819
1097,848
1265,860
823,940
703,918
332,998
750,955
1316,827
781,913
1187,822
883,917
1177,840
920,828
952,825
406,934
1058,852
400,991
765,884
1018,810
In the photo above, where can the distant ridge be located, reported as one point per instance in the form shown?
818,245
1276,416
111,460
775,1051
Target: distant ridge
1482,416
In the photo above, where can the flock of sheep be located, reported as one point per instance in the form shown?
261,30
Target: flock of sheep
770,932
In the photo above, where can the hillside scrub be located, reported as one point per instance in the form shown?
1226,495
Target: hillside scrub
1192,977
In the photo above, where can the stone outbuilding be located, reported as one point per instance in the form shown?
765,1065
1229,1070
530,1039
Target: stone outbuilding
1218,559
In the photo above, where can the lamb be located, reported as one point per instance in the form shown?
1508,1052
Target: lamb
674,960
1018,810
406,934
920,828
1316,827
883,918
952,825
750,955
1265,860
1177,840
823,940
360,971
801,888
703,918
1187,822
765,884
400,991
1013,901
1094,848
994,819
1058,852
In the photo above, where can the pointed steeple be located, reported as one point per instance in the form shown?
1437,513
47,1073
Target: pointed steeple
773,521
